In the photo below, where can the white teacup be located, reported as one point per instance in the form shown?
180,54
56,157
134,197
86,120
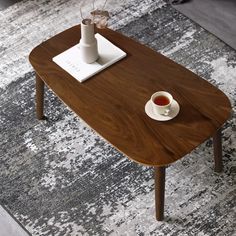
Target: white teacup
161,102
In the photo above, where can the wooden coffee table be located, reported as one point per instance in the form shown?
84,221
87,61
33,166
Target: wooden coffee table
112,103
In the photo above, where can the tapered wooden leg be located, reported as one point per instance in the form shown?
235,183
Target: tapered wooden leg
39,97
217,145
160,192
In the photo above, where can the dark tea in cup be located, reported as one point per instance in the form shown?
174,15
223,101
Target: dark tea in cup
161,100
161,103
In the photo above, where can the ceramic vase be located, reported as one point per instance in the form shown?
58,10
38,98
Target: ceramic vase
88,42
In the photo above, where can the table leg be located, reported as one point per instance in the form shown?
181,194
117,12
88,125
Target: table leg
39,97
217,144
160,192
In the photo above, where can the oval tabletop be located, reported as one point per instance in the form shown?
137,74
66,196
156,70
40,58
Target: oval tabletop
112,102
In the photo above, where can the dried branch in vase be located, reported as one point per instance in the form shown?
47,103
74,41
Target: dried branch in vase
99,17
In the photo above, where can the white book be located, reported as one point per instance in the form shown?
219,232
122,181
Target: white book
70,60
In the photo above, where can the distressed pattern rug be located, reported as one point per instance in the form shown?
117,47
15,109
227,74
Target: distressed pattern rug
58,177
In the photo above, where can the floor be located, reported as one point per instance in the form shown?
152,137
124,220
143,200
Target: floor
6,3
216,16
9,226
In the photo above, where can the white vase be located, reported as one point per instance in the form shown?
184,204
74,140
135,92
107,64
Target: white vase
88,42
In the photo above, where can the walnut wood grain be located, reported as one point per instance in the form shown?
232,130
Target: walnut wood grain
217,145
160,173
112,102
39,97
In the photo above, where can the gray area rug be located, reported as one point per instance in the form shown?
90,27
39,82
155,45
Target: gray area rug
217,16
58,177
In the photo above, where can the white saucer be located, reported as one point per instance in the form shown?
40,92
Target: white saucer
174,110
